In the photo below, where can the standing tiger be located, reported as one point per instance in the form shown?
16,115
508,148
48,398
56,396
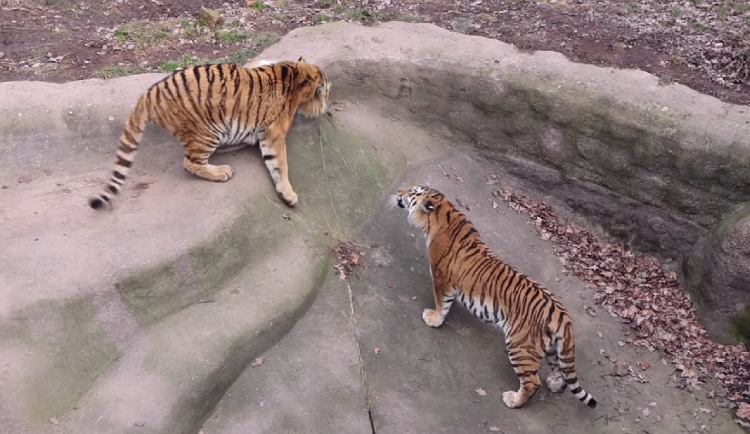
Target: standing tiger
534,321
228,107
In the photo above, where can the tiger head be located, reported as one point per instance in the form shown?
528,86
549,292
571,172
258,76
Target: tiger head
314,90
421,202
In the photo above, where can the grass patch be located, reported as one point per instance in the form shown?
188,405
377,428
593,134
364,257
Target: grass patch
409,18
700,27
118,71
264,39
319,18
173,65
677,11
462,25
121,35
486,18
280,16
144,33
233,23
231,36
185,61
257,5
356,14
665,80
362,14
188,28
241,56
259,39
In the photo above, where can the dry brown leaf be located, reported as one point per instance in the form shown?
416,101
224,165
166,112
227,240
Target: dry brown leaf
743,410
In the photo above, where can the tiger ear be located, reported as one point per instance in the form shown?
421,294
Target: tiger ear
318,90
301,59
429,206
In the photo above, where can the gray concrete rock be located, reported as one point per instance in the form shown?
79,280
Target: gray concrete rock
717,273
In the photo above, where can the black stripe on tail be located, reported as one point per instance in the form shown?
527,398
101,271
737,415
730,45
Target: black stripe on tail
579,393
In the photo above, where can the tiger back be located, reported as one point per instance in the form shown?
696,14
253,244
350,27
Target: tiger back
463,267
225,107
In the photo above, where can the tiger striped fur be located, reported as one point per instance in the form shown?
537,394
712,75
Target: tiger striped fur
225,107
462,267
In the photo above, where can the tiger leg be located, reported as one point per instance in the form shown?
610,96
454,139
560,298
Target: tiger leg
443,302
555,380
197,153
526,366
273,149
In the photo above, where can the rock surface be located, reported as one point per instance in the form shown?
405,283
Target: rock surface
717,273
655,165
211,18
362,360
138,320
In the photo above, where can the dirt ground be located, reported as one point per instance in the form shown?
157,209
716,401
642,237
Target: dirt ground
701,44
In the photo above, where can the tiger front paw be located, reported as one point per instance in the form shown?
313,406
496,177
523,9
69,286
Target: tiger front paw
510,400
287,194
432,318
212,173
220,173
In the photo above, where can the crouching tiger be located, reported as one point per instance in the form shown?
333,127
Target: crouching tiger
221,108
462,267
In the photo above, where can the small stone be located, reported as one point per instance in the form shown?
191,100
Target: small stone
621,369
2,54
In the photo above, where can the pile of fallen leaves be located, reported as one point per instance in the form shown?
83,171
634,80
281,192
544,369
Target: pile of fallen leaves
636,289
347,255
